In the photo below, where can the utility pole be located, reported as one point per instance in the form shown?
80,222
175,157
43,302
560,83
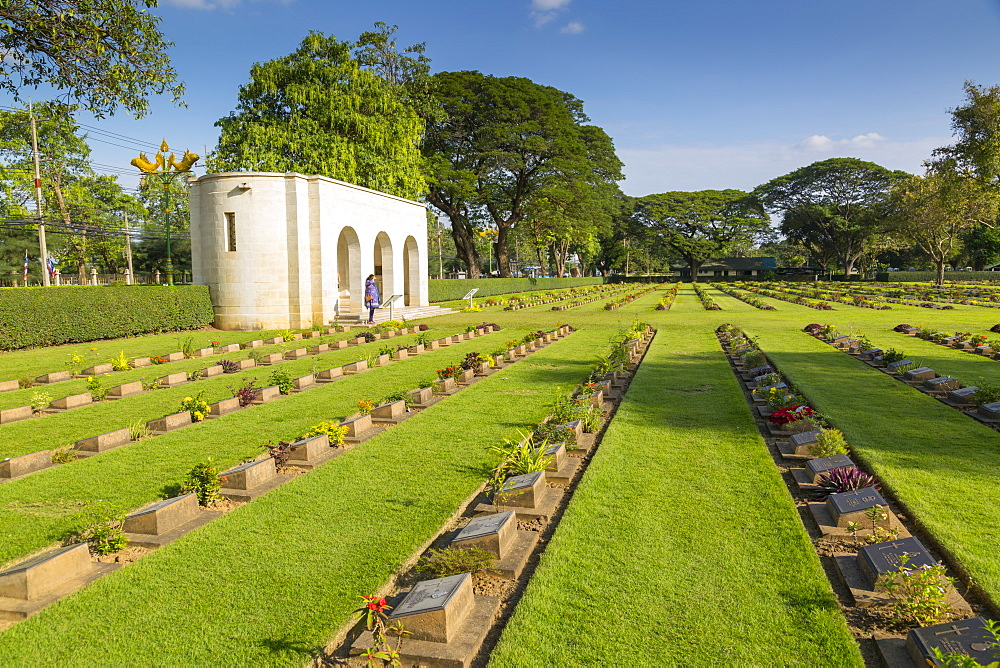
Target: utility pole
440,252
128,250
38,200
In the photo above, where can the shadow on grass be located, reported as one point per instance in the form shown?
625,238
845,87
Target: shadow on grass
290,647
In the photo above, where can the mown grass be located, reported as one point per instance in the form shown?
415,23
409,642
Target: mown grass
270,583
56,430
42,508
682,545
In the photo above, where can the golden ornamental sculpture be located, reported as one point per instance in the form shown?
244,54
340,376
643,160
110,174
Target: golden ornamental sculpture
168,164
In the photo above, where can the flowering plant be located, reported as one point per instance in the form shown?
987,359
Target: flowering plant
790,414
453,371
196,405
366,406
381,653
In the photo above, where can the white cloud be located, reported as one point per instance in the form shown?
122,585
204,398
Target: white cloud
544,11
824,143
573,28
745,166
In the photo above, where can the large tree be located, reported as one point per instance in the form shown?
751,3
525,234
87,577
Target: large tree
316,111
837,203
935,210
103,53
502,143
700,225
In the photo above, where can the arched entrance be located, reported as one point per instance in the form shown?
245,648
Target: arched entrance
384,278
350,283
411,272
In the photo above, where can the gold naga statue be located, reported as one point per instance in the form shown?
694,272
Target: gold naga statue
162,164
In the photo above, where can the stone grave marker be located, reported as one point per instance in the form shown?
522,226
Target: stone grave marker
871,353
212,371
597,399
445,386
173,357
97,370
456,339
851,506
140,362
8,415
204,352
968,636
760,371
298,353
881,558
41,575
391,412
357,428
984,350
312,334
382,360
321,348
54,377
125,390
272,358
223,407
106,441
256,343
73,401
990,411
163,516
521,351
492,533
558,454
948,340
339,345
229,348
304,382
523,491
802,441
243,365
356,367
942,384
919,374
12,467
421,396
466,377
269,393
433,345
895,365
170,422
402,353
468,335
9,386
817,467
172,380
360,340
963,395
247,478
273,340
308,450
328,375
434,609
482,369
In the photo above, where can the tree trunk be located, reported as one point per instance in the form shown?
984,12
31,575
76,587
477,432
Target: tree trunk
940,272
502,251
695,266
466,247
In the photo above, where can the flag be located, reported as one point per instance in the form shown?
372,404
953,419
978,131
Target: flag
25,266
52,267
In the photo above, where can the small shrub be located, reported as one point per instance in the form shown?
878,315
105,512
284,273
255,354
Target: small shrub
454,561
918,593
138,431
829,442
40,400
471,361
95,385
204,481
229,366
256,355
26,382
424,328
246,393
196,405
279,453
901,328
520,457
120,362
149,385
591,420
812,328
75,363
452,371
334,432
104,529
366,406
187,346
387,350
369,337
287,335
846,479
282,379
64,455
893,355
195,375
987,393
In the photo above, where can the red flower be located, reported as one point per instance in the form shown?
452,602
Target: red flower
375,603
790,414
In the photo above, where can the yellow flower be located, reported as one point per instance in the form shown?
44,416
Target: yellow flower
198,416
187,399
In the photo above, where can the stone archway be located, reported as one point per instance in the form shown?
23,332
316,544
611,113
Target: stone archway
384,278
411,272
350,283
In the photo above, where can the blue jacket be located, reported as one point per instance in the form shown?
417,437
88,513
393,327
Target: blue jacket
371,290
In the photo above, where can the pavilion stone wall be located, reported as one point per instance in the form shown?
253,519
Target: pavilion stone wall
285,267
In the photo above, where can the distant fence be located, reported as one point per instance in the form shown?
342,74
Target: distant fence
141,278
925,276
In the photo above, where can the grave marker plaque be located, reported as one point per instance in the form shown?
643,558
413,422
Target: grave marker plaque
170,422
54,377
492,533
204,352
851,506
963,395
339,345
140,362
434,609
106,441
173,357
803,440
163,516
9,385
871,353
308,449
249,475
172,379
269,393
246,364
357,427
125,390
466,377
421,396
229,348
298,353
13,467
98,370
321,348
390,412
356,367
330,374
274,340
895,365
968,636
524,491
881,558
919,374
76,400
224,407
304,382
15,414
942,384
256,343
991,410
212,371
760,371
45,573
817,467
558,454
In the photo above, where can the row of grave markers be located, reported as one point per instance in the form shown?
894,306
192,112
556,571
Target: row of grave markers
945,389
30,586
591,299
541,301
446,620
175,379
861,572
17,467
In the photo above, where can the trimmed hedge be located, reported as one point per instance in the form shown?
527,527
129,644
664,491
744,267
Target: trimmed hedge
447,289
931,276
33,317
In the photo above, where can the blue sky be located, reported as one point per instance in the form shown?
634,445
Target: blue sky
696,95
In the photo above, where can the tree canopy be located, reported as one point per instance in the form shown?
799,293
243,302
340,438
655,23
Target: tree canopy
700,225
316,111
503,143
103,53
837,203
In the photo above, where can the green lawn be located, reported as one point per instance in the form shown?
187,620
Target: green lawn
682,545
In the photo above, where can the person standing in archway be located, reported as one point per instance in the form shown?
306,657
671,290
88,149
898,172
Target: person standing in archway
372,298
